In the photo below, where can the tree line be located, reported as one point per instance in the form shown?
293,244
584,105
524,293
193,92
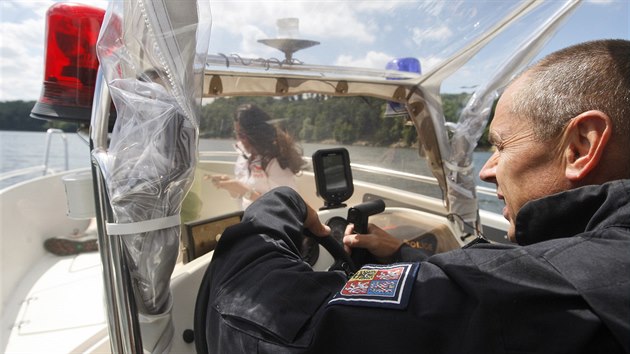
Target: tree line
317,118
309,118
15,115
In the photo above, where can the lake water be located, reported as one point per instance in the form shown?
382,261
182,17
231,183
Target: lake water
20,150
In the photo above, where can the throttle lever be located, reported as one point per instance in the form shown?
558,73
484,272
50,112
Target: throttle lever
358,215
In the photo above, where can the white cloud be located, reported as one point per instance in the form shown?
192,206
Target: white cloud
21,59
371,60
439,33
18,10
250,35
428,63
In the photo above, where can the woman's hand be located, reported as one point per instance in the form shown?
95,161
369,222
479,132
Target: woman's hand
235,188
377,241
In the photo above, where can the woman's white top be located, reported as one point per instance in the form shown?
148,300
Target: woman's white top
256,178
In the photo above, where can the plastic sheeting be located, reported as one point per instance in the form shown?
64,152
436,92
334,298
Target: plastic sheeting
457,141
474,116
152,55
148,170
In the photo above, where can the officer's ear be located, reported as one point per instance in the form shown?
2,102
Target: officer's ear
587,135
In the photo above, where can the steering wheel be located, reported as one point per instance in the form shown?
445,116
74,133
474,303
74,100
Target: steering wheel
334,245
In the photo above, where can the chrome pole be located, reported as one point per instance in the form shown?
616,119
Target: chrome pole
124,330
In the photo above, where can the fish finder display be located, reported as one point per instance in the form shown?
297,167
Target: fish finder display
333,176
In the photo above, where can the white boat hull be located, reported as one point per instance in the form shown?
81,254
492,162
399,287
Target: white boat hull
55,304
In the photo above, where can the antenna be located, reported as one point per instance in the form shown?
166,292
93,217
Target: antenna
288,29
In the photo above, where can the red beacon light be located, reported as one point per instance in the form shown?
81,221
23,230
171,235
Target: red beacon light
71,64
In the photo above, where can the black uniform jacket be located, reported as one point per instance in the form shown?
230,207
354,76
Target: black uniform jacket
564,289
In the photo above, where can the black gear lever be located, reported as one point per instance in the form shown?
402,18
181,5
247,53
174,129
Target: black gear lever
358,215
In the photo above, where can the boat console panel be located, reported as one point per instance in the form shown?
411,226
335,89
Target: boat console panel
417,229
201,236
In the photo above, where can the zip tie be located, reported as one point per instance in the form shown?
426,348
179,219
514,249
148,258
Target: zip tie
143,226
459,189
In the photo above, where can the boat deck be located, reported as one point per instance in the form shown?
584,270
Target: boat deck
57,305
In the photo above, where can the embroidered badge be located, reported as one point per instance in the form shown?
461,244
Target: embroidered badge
386,286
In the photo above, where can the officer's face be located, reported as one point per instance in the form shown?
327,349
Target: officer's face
522,168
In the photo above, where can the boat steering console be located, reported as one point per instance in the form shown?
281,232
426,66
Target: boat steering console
333,179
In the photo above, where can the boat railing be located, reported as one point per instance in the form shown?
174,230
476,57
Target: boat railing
44,167
490,192
49,134
427,180
212,154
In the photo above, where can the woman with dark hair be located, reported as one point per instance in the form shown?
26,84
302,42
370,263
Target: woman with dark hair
268,157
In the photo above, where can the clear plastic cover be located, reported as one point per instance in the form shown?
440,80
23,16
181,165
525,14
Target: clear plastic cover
152,55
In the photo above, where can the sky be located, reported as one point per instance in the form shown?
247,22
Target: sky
346,37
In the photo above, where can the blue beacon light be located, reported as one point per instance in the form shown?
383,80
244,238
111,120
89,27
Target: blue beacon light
401,64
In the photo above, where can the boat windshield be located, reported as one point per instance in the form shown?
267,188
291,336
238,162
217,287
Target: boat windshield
455,55
383,149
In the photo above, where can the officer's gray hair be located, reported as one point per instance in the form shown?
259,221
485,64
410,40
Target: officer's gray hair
588,76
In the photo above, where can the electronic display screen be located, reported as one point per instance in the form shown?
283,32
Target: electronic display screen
333,176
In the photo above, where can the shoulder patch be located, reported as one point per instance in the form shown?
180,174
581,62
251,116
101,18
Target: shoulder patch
385,286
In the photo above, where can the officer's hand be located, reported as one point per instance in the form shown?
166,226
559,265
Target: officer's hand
313,224
377,241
